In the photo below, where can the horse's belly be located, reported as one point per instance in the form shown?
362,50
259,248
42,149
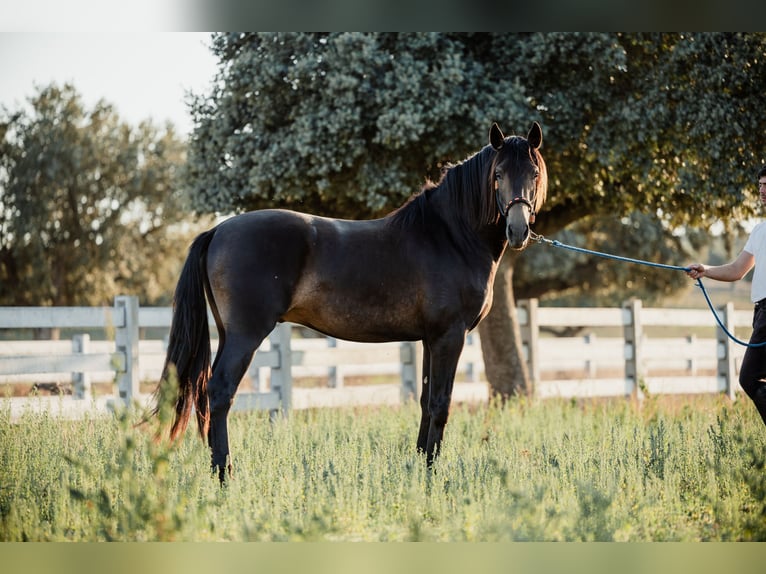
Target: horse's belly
352,320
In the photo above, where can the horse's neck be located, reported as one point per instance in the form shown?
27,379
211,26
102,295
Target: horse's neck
495,240
488,238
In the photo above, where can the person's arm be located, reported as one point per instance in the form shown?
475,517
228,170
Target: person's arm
732,271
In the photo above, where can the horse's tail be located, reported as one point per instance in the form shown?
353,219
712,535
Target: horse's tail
189,343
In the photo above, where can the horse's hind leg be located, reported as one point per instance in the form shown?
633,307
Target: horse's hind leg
230,366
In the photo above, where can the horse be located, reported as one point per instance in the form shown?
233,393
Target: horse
423,272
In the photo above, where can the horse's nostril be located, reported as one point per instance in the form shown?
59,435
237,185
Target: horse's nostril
517,238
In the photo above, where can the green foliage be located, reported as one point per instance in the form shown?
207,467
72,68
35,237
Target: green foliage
662,123
656,133
133,497
348,124
687,469
90,207
100,479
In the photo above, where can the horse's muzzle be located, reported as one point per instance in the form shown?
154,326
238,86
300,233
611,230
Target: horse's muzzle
518,236
517,221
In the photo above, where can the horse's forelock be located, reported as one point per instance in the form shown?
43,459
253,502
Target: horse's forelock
518,148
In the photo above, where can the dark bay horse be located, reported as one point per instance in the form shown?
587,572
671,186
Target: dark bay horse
424,272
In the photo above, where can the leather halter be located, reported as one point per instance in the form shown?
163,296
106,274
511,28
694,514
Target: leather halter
518,199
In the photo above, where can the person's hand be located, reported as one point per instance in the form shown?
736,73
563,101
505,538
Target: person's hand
696,270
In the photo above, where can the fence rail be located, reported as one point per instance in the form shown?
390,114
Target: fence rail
638,363
629,362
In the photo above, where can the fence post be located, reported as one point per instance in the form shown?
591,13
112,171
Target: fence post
255,377
590,364
530,337
471,372
411,357
727,369
81,387
126,342
282,376
692,364
634,356
334,373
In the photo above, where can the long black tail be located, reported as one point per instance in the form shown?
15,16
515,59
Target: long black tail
189,343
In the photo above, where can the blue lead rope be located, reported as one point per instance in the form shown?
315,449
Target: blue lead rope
556,243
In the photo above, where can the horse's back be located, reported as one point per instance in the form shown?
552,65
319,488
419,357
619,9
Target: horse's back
266,237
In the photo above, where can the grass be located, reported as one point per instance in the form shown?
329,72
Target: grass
687,469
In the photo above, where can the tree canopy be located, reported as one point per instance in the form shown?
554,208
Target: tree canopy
668,144
351,124
347,124
90,207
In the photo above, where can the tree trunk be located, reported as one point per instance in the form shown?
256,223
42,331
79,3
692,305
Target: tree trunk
504,363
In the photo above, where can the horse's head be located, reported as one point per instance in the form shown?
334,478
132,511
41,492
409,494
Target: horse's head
519,180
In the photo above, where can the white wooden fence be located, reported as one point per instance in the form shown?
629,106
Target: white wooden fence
635,362
590,365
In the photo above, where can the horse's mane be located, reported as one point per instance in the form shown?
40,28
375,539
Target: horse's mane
466,187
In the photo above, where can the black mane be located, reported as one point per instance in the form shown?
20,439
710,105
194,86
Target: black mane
465,186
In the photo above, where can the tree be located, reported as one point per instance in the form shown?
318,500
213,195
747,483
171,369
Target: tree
657,130
344,124
649,127
89,206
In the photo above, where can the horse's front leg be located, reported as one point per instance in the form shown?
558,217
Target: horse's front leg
425,393
445,352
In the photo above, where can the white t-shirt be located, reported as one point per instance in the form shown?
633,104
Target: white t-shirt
756,246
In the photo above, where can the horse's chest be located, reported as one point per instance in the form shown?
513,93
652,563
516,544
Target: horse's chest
481,307
481,296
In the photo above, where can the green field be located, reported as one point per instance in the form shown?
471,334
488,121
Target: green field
687,469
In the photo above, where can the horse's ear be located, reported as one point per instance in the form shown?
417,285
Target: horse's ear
535,136
496,137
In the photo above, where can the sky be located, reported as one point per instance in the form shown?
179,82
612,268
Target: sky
144,75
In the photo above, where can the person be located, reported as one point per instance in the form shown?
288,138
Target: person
752,373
